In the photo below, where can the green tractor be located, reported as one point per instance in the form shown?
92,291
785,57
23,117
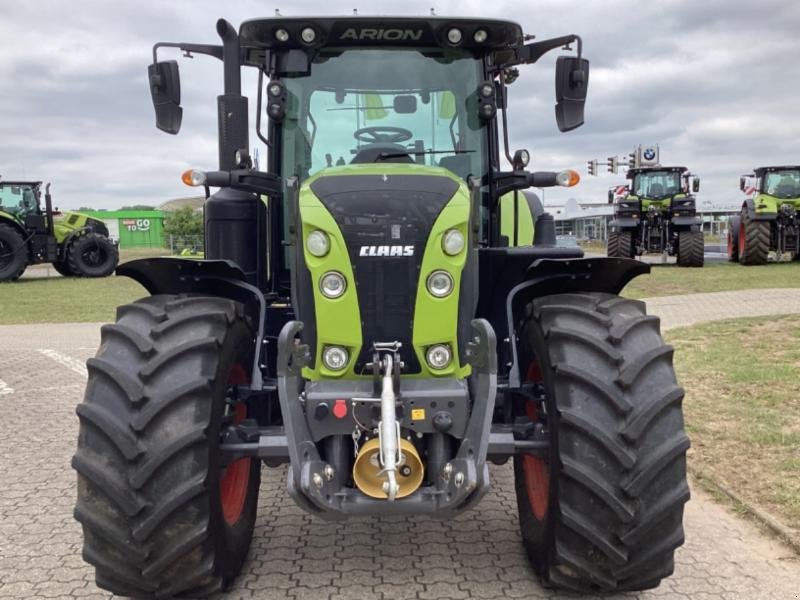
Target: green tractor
385,311
769,220
75,244
658,212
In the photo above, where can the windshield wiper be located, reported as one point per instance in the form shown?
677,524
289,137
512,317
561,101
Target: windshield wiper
383,155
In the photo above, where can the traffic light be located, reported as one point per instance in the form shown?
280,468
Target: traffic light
632,160
613,164
592,167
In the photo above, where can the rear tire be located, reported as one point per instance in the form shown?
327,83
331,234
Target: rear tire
615,478
691,248
92,255
620,244
754,238
13,253
733,238
160,515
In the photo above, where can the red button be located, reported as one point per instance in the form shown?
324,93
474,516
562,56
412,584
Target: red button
340,408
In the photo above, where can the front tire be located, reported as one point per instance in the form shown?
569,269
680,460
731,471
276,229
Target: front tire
62,268
620,244
614,482
754,238
92,255
161,516
691,249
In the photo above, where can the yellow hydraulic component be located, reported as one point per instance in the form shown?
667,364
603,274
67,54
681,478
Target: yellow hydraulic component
367,470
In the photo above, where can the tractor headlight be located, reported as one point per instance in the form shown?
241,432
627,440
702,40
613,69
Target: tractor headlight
332,284
308,35
335,357
480,36
453,242
440,284
438,356
454,36
318,243
282,35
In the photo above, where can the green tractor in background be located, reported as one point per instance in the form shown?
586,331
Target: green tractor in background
385,311
658,213
76,245
769,219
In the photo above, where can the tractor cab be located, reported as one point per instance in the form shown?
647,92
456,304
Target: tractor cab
661,184
20,198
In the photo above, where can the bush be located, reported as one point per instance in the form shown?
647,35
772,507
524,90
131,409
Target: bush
184,222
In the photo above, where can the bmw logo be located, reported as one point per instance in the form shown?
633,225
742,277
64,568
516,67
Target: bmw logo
649,154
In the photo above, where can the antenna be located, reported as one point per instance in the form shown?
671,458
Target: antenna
277,12
355,11
433,12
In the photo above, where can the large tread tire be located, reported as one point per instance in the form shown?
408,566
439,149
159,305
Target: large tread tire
733,239
104,256
62,268
150,498
691,249
754,239
617,465
620,244
13,253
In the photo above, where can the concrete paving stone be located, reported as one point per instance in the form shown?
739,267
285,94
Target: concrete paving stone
294,555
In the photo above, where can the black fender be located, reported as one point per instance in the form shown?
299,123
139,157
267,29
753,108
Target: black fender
545,277
222,278
624,222
15,224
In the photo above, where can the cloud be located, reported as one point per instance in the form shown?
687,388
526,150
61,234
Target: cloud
715,83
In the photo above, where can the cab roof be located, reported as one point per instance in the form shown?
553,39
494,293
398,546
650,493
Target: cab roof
30,183
371,31
760,171
637,170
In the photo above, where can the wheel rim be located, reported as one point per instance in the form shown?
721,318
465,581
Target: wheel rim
93,257
235,478
534,468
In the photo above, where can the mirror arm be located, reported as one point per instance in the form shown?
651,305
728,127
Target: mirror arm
530,53
257,182
189,49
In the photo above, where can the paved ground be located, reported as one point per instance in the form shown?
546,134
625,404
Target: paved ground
478,555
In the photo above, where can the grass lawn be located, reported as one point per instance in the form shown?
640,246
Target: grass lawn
742,407
668,280
65,299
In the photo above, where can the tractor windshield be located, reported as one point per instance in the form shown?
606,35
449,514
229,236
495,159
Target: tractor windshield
657,184
19,199
783,184
384,105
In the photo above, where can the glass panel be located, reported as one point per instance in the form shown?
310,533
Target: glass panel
657,184
427,102
17,199
783,184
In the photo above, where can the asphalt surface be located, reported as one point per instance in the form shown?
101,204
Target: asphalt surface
294,555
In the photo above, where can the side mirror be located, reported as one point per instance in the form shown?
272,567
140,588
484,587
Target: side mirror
741,183
165,89
405,105
572,83
696,185
611,196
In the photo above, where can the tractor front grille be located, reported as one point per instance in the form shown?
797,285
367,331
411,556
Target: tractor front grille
386,222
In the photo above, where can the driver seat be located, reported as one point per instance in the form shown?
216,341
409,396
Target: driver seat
371,153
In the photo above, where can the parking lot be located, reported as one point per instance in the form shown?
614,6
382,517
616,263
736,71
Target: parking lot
294,555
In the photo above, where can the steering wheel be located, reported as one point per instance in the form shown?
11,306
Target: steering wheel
382,134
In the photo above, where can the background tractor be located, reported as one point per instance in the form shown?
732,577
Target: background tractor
769,219
76,244
658,212
386,311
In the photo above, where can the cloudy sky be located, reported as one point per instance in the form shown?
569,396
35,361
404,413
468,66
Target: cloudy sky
716,84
